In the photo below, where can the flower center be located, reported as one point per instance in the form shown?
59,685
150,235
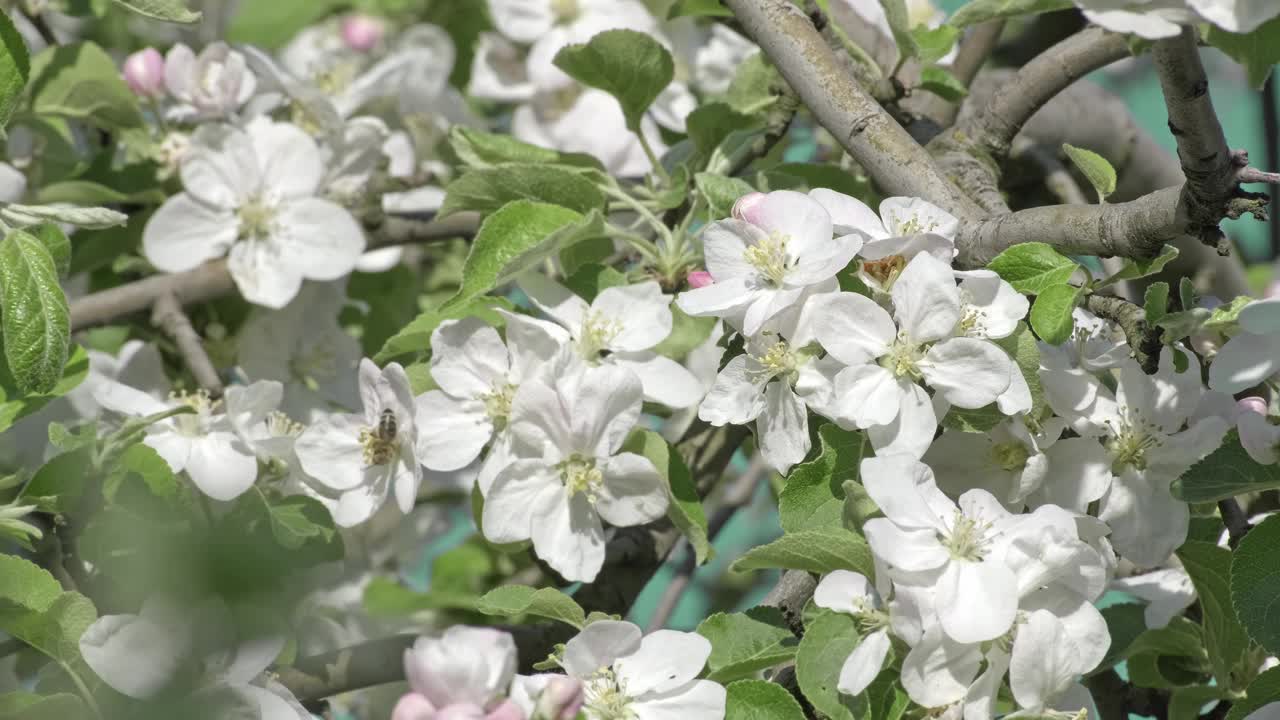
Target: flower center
380,442
193,425
281,425
597,332
606,697
913,225
580,475
257,218
497,403
769,258
211,77
884,271
967,539
903,358
778,361
566,11
1010,455
1129,445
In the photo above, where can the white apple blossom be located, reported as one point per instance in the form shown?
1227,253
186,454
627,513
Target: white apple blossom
1237,16
586,121
213,84
251,194
851,593
567,474
359,458
465,673
765,258
880,388
651,677
1009,461
1095,344
1167,592
620,327
1259,435
1253,355
1155,19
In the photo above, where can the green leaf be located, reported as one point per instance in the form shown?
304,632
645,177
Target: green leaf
81,82
1255,583
1180,638
270,25
589,280
1096,169
56,243
745,643
1226,641
858,506
511,240
827,643
59,484
895,12
984,10
167,10
814,494
36,322
710,124
1033,267
298,520
1155,304
416,336
721,192
1142,268
1264,690
588,251
487,189
817,551
1226,472
15,404
685,509
22,705
1257,51
34,609
1225,317
15,68
479,149
1051,316
754,85
1185,703
760,700
512,600
87,192
939,81
629,65
698,8
687,333
384,597
933,44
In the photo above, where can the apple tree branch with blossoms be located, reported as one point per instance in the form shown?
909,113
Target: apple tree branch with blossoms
377,358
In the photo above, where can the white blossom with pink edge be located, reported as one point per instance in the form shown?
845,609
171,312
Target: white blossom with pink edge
465,674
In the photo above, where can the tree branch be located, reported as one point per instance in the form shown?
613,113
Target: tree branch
1144,340
212,279
167,314
893,160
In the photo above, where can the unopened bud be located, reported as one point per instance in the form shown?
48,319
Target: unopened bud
1251,404
144,73
699,278
413,706
506,710
362,32
561,700
743,207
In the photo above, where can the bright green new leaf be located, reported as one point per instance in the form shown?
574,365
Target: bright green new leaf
760,700
808,176
36,322
1258,51
814,494
698,8
480,149
81,82
1224,317
983,10
710,124
167,10
933,44
685,509
939,81
745,643
1255,583
512,600
721,192
1051,316
1185,703
589,280
15,68
416,336
1096,169
1134,269
817,551
828,641
1155,304
1033,267
629,65
895,12
488,189
1226,472
1226,641
58,485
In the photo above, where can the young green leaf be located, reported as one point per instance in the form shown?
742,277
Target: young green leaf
828,641
933,44
984,10
1255,583
1033,267
629,65
512,600
685,509
416,336
895,12
15,68
698,8
1095,168
1051,313
817,551
1155,304
939,81
711,123
743,644
167,10
56,242
1134,269
37,611
485,190
814,496
479,149
760,700
35,314
1226,472
1264,690
721,192
81,82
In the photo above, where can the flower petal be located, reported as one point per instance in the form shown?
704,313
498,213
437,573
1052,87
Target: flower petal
598,645
912,431
568,535
317,238
938,670
222,465
262,274
864,663
451,433
851,327
698,699
926,300
665,661
845,591
724,247
468,358
665,381
977,601
555,300
633,493
867,395
1245,361
737,396
184,233
849,214
968,373
510,505
331,453
289,159
642,311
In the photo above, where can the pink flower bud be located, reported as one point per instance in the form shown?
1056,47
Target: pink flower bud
144,73
742,208
506,710
460,711
699,278
1251,404
561,700
413,706
362,32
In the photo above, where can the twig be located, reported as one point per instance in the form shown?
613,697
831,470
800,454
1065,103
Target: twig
40,24
167,314
1234,518
1271,131
1143,339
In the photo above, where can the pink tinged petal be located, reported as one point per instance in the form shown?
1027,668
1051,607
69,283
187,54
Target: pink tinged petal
598,645
289,158
506,710
698,699
724,246
633,493
864,663
221,167
451,433
717,298
926,300
412,706
867,395
178,63
184,233
331,453
798,218
744,204
977,601
912,431
1261,317
555,300
262,275
1246,360
1260,438
516,492
968,373
737,396
465,666
643,312
318,239
845,591
222,465
568,535
849,214
468,358
851,327
665,661
911,550
938,671
665,381
1079,473
133,655
783,427
698,279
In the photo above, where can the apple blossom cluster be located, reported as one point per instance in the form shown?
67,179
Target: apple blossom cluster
1165,18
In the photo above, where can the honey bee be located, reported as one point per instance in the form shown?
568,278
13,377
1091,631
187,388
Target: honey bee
387,425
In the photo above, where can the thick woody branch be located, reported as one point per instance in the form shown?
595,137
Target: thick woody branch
893,160
167,314
212,279
1144,339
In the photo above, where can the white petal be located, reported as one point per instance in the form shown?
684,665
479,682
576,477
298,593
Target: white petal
969,373
911,550
912,431
633,492
784,427
1145,25
766,305
134,656
509,505
1079,473
1147,522
184,233
938,670
849,214
977,601
997,305
568,535
851,327
913,216
288,157
867,395
262,275
451,433
665,661
606,409
699,700
718,298
1259,437
468,358
531,343
359,504
1261,317
319,239
330,451
598,645
555,300
926,300
724,246
126,400
1245,361
864,663
222,466
521,20
798,218
844,591
1042,664
737,397
904,490
643,312
665,381
220,167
